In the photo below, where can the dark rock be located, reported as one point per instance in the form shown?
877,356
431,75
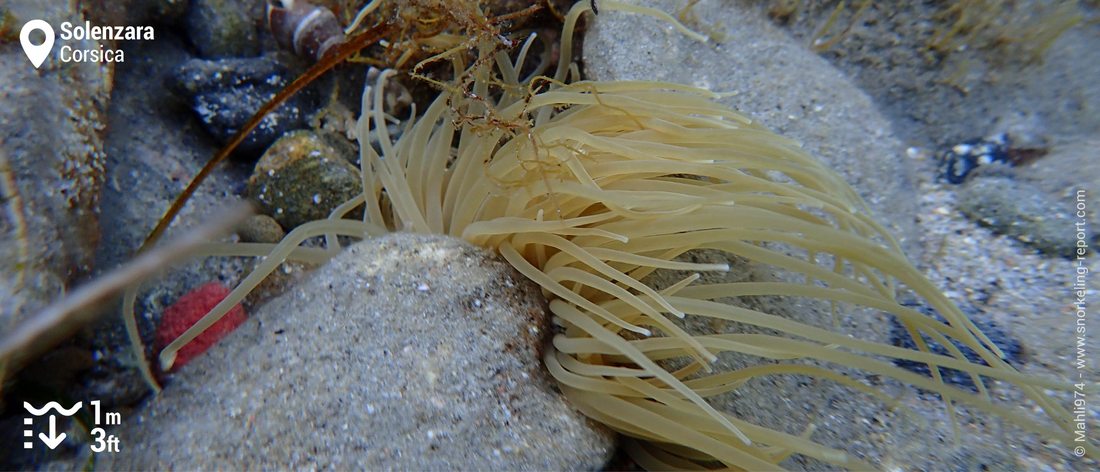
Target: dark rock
225,28
136,12
225,93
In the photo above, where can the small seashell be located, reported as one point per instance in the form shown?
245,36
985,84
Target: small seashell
308,29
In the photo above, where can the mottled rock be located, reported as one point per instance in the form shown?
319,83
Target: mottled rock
406,352
225,28
1068,175
225,93
302,178
1019,210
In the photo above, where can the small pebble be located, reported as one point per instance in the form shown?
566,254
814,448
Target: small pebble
261,229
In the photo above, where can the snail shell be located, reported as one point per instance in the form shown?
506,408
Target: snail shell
310,30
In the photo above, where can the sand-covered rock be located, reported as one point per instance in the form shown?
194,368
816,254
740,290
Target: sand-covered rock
406,352
777,81
797,93
51,162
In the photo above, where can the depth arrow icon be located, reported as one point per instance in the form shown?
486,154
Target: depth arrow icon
54,439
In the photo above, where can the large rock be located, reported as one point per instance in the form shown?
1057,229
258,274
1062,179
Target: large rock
405,352
1020,210
778,81
51,163
791,90
1071,167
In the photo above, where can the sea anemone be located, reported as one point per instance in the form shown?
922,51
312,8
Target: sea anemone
589,188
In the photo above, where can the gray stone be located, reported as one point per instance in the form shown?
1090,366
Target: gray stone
407,352
225,93
225,28
779,82
796,93
1019,210
1070,167
51,164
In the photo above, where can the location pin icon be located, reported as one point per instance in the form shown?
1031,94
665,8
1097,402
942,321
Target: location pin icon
36,53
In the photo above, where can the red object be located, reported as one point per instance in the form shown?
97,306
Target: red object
189,309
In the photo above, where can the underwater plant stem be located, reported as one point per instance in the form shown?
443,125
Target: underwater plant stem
134,336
